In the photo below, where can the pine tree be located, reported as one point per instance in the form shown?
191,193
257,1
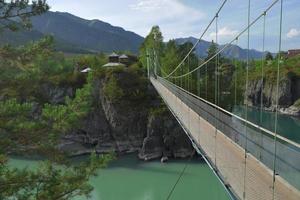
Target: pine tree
23,133
15,14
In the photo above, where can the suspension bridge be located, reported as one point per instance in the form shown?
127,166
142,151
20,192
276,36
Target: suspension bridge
251,161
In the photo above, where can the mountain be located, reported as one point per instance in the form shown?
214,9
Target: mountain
233,51
73,33
76,35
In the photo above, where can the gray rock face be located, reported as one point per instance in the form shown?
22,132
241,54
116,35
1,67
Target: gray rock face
55,94
125,127
288,94
165,139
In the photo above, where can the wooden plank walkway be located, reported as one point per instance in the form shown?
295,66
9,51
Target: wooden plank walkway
247,177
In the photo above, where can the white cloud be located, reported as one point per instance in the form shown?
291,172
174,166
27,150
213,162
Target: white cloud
224,32
173,16
293,33
147,5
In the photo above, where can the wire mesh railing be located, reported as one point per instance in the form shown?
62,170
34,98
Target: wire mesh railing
246,154
260,147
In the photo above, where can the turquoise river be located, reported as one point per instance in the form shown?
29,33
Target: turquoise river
128,178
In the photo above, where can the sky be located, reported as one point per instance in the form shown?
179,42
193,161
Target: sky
185,18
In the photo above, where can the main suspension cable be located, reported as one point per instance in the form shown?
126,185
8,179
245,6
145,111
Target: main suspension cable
230,43
198,41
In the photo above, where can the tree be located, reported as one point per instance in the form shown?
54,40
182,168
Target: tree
269,56
15,14
153,44
211,65
21,131
192,59
49,182
170,58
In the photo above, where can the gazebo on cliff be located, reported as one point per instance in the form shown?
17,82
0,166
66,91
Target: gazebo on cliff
113,61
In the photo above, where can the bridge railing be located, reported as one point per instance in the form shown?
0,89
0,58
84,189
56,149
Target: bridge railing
256,140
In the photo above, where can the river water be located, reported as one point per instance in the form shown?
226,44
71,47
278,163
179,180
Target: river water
128,178
288,126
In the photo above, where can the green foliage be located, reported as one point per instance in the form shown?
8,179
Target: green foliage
20,128
91,61
153,42
34,128
112,90
126,84
25,69
17,126
16,14
288,67
211,65
170,58
20,131
166,56
63,118
50,182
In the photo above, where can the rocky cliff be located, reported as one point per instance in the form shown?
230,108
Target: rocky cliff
127,124
288,94
164,138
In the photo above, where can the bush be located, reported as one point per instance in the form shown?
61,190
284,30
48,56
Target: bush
112,90
127,83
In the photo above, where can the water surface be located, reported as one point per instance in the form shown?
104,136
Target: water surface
127,178
288,126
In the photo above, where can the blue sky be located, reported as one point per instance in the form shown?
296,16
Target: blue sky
184,18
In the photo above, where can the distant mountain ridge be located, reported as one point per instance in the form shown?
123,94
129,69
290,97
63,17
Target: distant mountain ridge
73,33
233,51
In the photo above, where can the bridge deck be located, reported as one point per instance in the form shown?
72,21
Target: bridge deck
246,177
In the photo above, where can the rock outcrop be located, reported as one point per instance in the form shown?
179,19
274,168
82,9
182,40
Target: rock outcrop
165,138
55,94
126,126
288,94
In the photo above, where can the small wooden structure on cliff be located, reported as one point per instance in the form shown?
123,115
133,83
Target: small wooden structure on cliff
117,60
